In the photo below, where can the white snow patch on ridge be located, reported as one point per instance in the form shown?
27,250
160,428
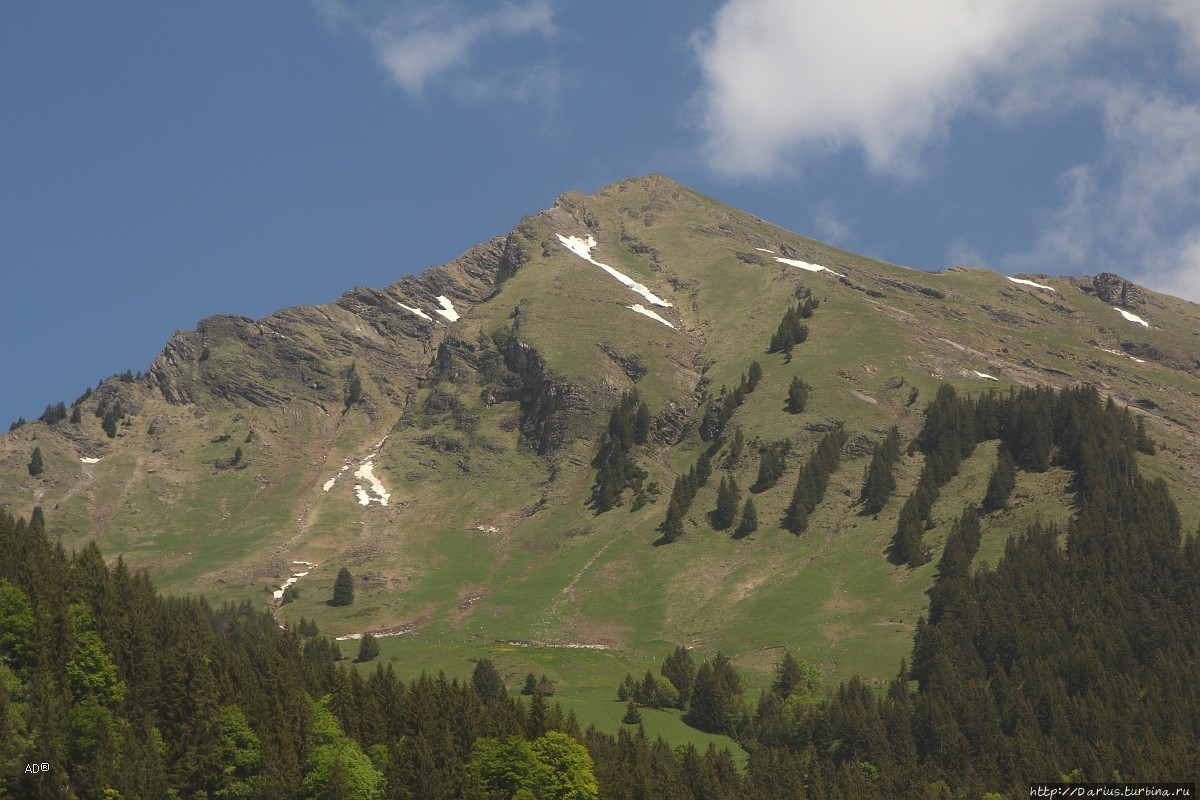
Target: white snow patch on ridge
583,249
641,309
367,472
416,311
329,484
765,250
447,310
1119,353
792,262
1132,317
87,460
984,375
1031,283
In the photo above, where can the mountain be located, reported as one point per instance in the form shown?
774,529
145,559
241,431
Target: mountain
442,439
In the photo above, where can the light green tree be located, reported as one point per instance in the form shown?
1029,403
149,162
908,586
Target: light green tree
336,766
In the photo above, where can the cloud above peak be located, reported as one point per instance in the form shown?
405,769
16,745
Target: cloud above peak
419,44
788,78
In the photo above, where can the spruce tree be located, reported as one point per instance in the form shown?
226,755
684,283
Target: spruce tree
343,588
681,672
754,377
749,523
1001,483
110,423
35,462
797,397
368,648
728,498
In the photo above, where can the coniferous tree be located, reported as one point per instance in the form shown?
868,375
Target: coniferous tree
632,715
797,397
728,498
368,648
343,588
487,682
681,672
749,521
880,479
75,415
109,424
35,462
641,424
1001,483
754,376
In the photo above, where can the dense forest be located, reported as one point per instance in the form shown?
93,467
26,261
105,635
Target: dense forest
1075,657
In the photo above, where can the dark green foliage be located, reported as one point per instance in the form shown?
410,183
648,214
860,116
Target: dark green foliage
754,376
735,449
487,682
616,467
771,465
530,686
682,495
368,648
109,424
796,677
306,627
632,715
879,479
792,331
1143,442
237,457
728,499
343,588
76,416
716,700
813,479
797,398
354,388
54,414
1001,483
681,672
20,423
749,520
36,466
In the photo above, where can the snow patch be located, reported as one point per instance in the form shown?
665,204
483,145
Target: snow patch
765,250
87,460
416,311
1131,317
984,375
329,484
792,262
583,249
367,472
1031,283
1119,353
641,309
447,310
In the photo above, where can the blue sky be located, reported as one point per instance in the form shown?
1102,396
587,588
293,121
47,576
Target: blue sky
163,162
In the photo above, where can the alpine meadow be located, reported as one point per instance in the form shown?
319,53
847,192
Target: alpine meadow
646,498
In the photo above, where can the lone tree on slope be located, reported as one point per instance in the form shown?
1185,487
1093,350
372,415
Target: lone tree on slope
343,588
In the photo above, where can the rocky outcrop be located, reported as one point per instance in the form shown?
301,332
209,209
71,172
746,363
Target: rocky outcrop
553,412
1111,289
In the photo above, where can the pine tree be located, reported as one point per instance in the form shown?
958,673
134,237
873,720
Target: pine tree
109,424
35,462
343,588
749,523
641,424
728,497
754,376
75,415
488,683
797,397
632,715
368,648
681,672
1001,483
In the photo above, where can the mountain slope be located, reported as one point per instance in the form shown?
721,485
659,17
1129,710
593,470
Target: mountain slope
473,400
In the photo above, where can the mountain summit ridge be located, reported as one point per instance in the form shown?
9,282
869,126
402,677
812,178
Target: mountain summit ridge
477,396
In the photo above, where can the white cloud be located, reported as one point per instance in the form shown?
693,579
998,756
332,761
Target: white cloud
788,80
789,76
1140,221
419,44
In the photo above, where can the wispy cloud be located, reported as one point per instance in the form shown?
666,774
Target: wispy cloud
785,81
418,45
1143,218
